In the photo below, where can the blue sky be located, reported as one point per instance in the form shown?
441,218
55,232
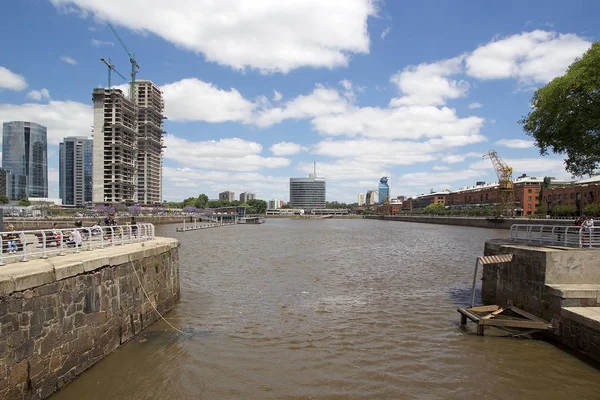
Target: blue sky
255,91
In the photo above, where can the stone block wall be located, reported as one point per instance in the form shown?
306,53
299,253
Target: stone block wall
57,322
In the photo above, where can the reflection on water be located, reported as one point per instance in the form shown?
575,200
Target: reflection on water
330,309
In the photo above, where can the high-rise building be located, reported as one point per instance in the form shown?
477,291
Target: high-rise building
245,196
274,204
361,199
227,196
25,157
370,200
75,170
150,142
384,189
115,148
308,193
4,180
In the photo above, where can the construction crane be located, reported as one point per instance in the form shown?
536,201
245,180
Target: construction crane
506,191
134,65
111,68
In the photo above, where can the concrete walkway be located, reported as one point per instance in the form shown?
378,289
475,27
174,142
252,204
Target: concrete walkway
16,277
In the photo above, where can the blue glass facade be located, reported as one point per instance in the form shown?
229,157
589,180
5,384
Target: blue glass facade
75,170
384,190
25,156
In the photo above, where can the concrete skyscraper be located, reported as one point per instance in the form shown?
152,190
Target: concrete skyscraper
245,196
150,142
75,170
25,158
115,148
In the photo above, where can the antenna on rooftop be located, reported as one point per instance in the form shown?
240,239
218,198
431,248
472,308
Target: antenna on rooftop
315,167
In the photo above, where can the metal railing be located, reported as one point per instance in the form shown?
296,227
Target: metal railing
43,243
572,236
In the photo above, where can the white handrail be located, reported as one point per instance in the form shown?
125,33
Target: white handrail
571,236
44,243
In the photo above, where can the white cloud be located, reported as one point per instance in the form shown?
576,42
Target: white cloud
100,43
268,35
398,123
61,118
386,32
345,169
475,106
11,81
39,95
185,182
68,60
277,96
516,143
287,149
195,100
226,154
321,101
530,57
440,168
428,84
438,179
456,158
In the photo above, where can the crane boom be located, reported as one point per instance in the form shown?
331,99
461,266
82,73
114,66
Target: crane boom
134,65
111,67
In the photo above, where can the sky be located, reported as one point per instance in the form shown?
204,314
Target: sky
257,90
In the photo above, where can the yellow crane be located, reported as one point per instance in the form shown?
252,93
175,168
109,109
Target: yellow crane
506,191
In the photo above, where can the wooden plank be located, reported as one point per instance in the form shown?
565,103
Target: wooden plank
511,323
467,314
492,315
526,314
483,309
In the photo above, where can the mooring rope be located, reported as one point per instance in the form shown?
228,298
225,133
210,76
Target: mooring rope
152,304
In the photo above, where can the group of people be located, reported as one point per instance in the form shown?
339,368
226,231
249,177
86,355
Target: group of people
585,222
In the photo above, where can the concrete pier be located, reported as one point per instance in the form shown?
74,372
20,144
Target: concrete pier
558,284
61,315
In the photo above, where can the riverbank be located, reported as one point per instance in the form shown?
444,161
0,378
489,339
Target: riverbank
475,222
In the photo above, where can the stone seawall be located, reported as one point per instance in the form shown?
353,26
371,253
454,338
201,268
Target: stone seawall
59,316
475,222
47,223
558,284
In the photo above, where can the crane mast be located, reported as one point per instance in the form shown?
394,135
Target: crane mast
134,65
506,193
111,68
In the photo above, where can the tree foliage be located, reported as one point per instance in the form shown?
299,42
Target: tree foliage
566,115
564,210
591,210
435,209
4,199
24,202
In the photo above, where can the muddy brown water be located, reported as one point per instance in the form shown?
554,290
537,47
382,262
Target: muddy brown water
330,309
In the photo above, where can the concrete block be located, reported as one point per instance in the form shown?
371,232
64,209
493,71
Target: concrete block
7,285
67,270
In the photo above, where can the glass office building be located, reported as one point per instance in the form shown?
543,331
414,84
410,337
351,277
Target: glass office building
384,190
25,156
75,170
307,193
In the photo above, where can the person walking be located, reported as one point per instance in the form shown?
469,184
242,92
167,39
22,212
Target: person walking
12,239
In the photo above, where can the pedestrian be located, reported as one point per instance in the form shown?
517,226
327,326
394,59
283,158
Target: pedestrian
134,227
12,239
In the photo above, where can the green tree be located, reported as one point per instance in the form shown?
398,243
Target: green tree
24,202
4,199
435,209
591,209
566,115
260,206
564,210
541,210
201,201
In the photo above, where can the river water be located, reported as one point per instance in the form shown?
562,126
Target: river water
330,309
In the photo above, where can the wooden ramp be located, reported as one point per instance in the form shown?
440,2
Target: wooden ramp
511,319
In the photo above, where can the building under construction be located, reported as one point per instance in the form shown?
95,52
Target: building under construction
150,142
128,144
115,147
